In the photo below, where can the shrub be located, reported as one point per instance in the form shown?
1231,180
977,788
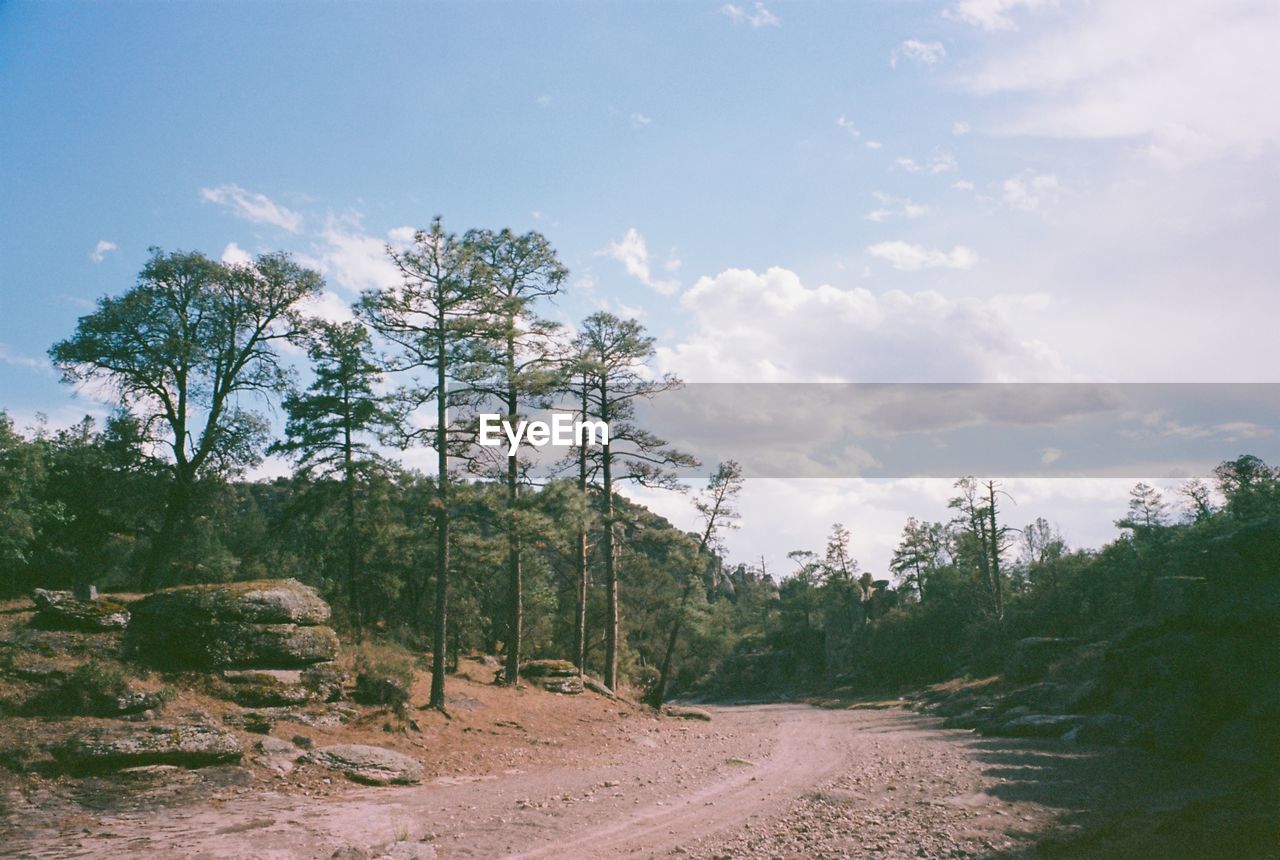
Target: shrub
384,676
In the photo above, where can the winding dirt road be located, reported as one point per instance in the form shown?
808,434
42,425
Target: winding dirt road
766,780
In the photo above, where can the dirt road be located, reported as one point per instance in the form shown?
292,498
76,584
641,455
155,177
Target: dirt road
768,780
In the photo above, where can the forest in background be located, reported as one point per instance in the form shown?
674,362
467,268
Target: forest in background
535,565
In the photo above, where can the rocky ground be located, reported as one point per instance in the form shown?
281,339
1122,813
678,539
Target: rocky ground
228,753
756,781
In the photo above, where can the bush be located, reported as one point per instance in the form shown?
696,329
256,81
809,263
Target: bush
96,688
384,676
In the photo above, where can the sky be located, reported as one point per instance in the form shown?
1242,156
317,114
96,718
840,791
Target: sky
951,191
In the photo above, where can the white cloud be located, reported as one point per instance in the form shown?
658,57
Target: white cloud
874,144
771,327
942,162
327,305
101,250
543,101
402,236
891,207
990,14
758,17
236,255
920,53
14,359
639,120
355,260
1028,191
914,258
257,208
960,127
632,252
1049,456
848,125
1182,83
962,185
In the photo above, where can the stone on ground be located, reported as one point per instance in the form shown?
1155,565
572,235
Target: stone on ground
565,686
62,609
368,764
548,669
685,713
182,744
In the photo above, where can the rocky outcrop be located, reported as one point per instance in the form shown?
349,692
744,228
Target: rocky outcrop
565,686
368,764
62,609
684,713
554,676
273,624
269,601
257,688
548,669
114,747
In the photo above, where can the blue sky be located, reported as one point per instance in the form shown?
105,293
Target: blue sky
961,190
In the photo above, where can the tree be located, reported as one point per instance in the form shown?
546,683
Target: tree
1147,510
1199,499
839,564
514,361
431,318
986,539
1250,486
22,478
578,386
716,508
610,353
332,426
186,350
925,547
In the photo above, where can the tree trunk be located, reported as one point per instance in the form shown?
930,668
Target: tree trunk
162,547
515,625
611,579
353,562
664,671
440,639
997,582
580,608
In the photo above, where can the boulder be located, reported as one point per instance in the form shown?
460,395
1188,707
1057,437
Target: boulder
1033,726
1104,730
268,601
114,747
276,746
214,645
268,623
684,713
325,680
368,764
548,669
62,609
256,688
566,686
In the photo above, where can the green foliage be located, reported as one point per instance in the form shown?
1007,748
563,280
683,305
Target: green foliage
91,689
384,676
